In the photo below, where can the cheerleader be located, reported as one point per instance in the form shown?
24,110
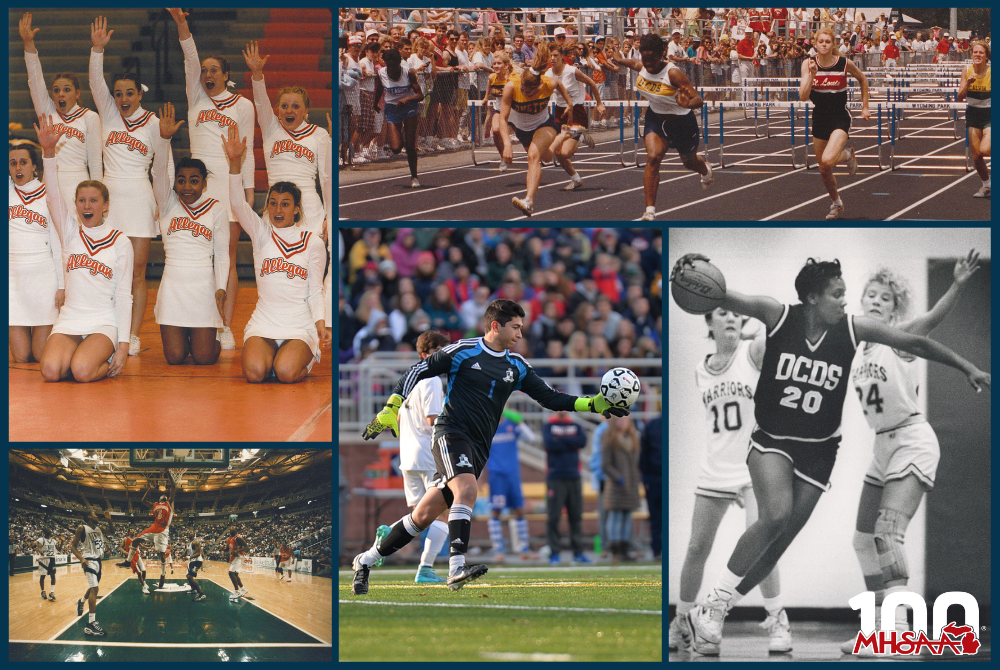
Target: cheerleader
34,279
328,201
90,337
130,134
211,107
293,147
78,153
285,330
195,232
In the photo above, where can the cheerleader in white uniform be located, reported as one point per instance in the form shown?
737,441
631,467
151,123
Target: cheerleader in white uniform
78,153
293,147
130,134
328,201
211,108
90,337
34,278
195,231
286,327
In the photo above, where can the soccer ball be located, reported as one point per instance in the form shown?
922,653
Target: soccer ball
620,387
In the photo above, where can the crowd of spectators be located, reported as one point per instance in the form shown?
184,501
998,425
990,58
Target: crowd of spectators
586,293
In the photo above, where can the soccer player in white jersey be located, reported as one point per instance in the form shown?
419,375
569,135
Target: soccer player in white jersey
906,451
78,153
195,231
211,109
35,278
129,134
47,563
416,421
88,547
293,147
726,381
98,266
287,326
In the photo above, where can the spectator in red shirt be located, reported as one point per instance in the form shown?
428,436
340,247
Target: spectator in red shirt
606,276
942,48
463,284
780,14
746,51
890,52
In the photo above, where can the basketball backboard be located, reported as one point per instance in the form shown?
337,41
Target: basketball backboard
179,458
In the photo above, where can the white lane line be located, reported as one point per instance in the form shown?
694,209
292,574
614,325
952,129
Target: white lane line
937,192
518,656
603,610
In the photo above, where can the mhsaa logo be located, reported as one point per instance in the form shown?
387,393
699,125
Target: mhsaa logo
961,640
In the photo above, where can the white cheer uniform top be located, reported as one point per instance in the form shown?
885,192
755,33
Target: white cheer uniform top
295,156
288,267
577,91
32,238
78,151
328,201
208,119
195,235
661,94
727,396
888,382
98,263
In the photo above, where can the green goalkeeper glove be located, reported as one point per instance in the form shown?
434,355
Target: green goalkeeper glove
599,405
387,418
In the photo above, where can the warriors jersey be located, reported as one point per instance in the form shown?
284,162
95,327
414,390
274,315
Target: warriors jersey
288,265
93,542
79,129
800,395
210,117
496,84
98,264
829,88
479,382
657,89
396,89
728,398
574,87
163,514
293,155
32,238
195,235
529,113
887,382
978,93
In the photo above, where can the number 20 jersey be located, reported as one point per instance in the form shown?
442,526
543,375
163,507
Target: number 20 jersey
800,395
728,398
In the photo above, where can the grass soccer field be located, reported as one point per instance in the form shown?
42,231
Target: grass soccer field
598,613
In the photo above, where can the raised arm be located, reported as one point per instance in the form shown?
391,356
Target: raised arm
630,63
256,62
761,307
925,323
236,149
100,37
36,81
161,184
61,220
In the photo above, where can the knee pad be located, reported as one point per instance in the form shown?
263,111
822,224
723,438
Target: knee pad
864,547
890,530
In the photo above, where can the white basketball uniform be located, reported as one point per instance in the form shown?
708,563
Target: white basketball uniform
46,556
34,258
195,560
887,384
296,156
92,550
208,119
78,151
98,263
288,265
196,245
415,458
728,399
128,153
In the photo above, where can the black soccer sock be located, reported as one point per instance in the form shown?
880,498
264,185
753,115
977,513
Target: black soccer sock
399,536
459,530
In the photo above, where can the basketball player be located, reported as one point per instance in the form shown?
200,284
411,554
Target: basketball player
277,560
131,549
726,381
906,451
88,547
163,514
47,562
195,560
416,462
798,407
170,558
237,545
287,561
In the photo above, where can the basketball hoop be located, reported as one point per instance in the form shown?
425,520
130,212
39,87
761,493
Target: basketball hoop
176,474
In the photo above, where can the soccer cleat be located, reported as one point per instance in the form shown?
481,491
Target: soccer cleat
984,192
226,339
679,634
133,345
360,577
781,632
522,205
200,598
426,575
648,216
852,162
92,628
705,622
52,596
79,608
835,211
580,559
708,179
466,574
380,534
573,185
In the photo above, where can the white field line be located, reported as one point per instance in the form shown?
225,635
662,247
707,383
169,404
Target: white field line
504,607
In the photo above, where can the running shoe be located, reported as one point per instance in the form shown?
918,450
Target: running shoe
573,185
705,622
514,139
835,211
852,162
647,216
781,632
414,183
226,339
380,534
708,179
466,574
44,597
92,628
200,598
360,577
145,589
79,608
503,166
522,205
679,634
52,596
133,345
426,575
984,192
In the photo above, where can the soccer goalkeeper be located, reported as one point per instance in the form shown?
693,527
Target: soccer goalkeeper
482,373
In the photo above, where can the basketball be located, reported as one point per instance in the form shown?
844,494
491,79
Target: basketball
699,289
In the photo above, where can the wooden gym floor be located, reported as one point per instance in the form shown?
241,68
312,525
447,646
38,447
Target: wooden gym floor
151,401
275,621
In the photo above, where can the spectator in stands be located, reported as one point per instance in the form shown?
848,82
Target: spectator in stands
404,252
620,463
442,312
651,469
472,310
563,439
517,56
424,280
606,277
390,280
462,285
369,248
399,318
475,250
502,260
446,269
528,50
